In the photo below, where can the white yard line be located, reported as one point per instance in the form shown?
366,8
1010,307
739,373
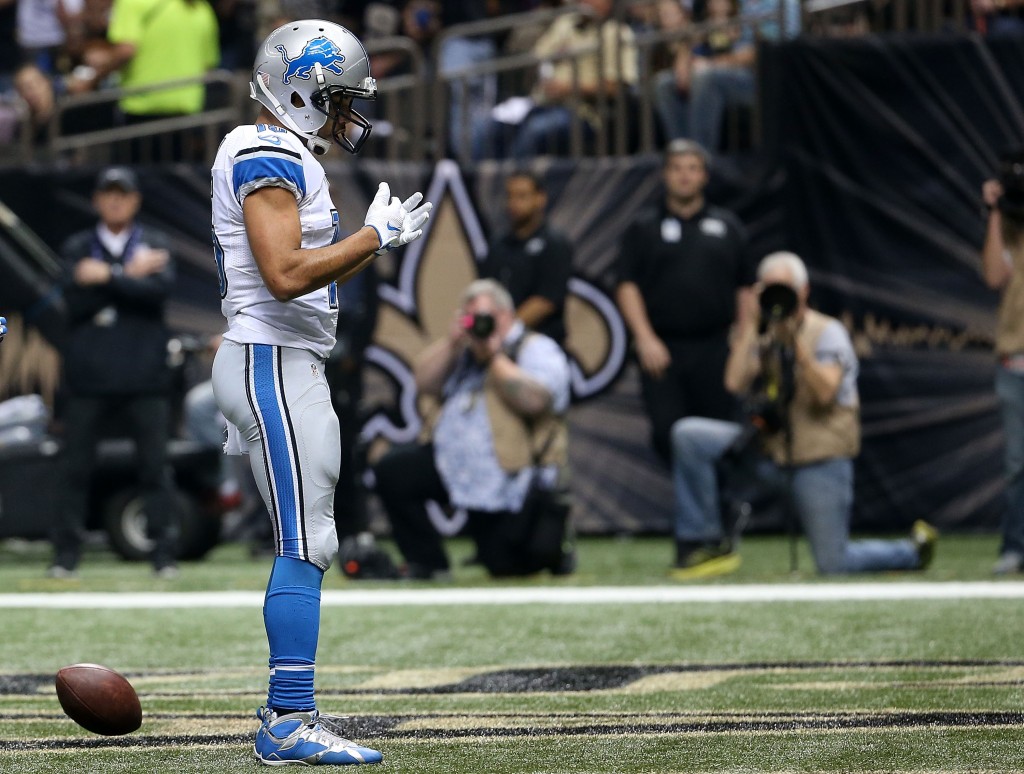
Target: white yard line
556,595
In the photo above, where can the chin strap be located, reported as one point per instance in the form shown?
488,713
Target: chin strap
317,145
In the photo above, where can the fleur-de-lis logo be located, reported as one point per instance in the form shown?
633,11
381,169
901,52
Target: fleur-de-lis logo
433,273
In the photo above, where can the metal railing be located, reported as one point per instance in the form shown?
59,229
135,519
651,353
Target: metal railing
402,102
401,105
101,145
627,120
20,149
413,114
828,17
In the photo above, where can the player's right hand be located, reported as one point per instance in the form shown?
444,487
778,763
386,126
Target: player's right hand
396,223
3,328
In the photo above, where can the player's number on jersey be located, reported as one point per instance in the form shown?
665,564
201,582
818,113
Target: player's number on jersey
332,289
218,254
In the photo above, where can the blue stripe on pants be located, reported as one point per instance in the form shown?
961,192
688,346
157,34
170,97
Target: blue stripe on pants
277,447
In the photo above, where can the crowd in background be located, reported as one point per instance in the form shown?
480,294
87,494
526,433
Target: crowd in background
53,48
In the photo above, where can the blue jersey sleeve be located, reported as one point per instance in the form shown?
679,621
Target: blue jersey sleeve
266,165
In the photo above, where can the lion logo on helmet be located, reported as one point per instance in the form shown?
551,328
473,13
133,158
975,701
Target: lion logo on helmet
320,50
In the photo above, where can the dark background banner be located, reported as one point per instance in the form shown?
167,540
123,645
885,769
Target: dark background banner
872,170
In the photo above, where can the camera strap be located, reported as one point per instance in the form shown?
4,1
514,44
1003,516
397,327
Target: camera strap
512,350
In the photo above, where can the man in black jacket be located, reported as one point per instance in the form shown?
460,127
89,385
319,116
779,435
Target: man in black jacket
683,272
117,278
532,260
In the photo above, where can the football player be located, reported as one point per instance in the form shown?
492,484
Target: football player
3,328
280,260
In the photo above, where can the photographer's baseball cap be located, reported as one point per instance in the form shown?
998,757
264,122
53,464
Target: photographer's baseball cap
117,177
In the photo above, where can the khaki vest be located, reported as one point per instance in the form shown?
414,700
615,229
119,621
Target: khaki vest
819,432
1010,325
518,442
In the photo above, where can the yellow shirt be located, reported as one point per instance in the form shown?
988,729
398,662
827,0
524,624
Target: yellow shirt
173,39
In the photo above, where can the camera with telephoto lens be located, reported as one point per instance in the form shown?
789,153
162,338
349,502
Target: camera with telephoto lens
480,325
778,302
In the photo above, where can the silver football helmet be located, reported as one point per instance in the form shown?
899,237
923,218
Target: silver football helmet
309,71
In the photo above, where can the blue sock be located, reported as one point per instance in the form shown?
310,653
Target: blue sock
291,614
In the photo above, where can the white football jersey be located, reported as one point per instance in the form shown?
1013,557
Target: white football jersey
252,157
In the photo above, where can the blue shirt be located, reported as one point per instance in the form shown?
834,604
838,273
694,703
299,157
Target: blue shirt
463,442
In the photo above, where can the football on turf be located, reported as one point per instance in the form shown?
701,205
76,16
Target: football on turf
99,699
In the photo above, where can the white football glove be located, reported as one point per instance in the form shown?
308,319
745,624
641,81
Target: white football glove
396,223
3,328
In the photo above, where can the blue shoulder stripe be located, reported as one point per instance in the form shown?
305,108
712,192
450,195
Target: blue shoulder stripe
262,167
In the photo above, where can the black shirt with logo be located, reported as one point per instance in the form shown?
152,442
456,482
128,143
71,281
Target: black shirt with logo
539,265
687,269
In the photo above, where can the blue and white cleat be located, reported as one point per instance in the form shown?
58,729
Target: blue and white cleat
306,739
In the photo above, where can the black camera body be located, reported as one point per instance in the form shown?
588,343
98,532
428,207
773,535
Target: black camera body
778,302
480,325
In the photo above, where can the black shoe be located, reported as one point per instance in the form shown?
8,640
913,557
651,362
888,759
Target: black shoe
566,564
413,571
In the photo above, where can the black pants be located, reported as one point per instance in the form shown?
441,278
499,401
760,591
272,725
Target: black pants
406,478
350,514
692,386
147,419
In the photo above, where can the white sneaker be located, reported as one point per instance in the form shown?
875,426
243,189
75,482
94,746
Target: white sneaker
306,739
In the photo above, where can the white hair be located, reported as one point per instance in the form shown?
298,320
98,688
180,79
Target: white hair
789,261
492,288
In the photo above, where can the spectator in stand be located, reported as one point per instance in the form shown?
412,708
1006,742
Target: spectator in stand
477,95
998,17
713,80
41,30
40,92
543,124
154,41
532,260
672,71
684,270
118,277
87,32
37,90
418,20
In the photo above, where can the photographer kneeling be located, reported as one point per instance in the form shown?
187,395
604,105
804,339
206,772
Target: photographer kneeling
798,370
499,446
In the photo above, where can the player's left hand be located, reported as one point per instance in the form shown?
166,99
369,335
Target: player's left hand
396,223
3,328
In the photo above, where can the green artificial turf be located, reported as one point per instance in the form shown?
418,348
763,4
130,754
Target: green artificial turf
832,686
